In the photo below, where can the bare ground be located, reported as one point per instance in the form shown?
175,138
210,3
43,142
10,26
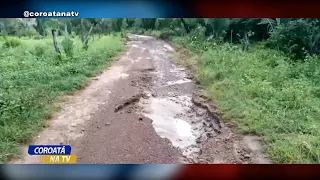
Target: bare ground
146,109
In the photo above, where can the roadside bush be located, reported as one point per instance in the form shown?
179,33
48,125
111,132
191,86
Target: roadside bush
166,34
68,46
73,34
298,38
38,37
38,51
26,32
11,43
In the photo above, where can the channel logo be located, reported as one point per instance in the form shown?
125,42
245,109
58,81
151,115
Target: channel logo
53,154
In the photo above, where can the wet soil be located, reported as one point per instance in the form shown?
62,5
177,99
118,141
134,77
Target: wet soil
146,109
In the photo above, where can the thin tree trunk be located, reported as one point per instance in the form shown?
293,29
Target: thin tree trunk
87,37
185,25
247,42
231,35
55,41
65,31
82,37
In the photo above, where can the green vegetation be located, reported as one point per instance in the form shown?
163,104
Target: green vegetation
33,75
265,91
263,73
265,95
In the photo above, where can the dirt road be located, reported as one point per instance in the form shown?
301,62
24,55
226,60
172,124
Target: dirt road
145,109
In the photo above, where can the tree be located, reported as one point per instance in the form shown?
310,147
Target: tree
40,26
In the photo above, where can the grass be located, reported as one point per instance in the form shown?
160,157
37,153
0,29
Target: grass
265,94
33,76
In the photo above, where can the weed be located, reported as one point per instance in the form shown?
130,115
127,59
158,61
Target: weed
38,51
68,46
30,83
257,90
11,43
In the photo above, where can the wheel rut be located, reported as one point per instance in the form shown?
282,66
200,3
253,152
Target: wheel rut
146,109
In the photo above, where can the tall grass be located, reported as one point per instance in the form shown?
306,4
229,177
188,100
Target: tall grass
265,94
32,76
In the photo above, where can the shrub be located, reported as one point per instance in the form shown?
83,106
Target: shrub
68,46
26,32
38,51
11,43
298,38
38,37
73,34
166,34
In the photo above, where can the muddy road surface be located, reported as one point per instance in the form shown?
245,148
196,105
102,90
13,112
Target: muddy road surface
146,109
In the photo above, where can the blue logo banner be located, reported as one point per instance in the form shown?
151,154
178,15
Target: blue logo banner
49,149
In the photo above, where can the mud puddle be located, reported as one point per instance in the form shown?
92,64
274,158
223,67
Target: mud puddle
170,106
177,119
183,115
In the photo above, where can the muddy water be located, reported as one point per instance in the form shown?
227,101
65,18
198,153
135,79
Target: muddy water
164,113
169,104
186,118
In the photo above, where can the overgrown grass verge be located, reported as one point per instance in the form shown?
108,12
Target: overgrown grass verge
32,76
264,94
